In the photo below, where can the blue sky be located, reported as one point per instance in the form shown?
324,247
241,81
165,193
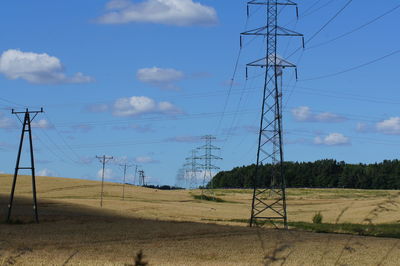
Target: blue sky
143,80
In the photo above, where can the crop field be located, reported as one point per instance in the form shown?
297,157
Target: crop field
177,228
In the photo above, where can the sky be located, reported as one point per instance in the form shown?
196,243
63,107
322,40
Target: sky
143,80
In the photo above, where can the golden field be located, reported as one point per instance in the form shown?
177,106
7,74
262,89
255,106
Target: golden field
173,228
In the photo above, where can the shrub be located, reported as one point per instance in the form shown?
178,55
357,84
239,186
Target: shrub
317,219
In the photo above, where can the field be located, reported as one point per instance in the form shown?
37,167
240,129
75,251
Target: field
175,228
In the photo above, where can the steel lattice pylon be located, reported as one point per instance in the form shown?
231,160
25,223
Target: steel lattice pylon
193,169
269,197
207,167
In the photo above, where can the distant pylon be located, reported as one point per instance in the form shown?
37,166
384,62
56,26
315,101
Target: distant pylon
269,194
193,167
181,177
208,166
26,128
135,175
103,160
142,177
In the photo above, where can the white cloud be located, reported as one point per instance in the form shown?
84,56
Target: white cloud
145,159
160,77
108,173
42,123
46,172
37,68
304,114
6,122
170,12
389,126
140,105
332,139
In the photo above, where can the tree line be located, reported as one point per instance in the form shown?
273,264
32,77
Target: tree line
319,174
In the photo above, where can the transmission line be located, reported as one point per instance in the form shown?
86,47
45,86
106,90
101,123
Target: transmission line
323,27
355,29
353,68
63,139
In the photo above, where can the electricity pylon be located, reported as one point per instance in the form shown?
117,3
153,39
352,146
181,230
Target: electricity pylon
142,177
181,177
193,169
207,166
269,193
26,128
103,159
135,175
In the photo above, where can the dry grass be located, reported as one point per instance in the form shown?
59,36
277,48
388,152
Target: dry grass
173,228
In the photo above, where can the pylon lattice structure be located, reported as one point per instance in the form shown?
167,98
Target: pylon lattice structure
26,128
192,170
181,180
208,166
142,178
269,196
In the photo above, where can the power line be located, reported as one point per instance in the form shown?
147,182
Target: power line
56,145
232,81
63,139
317,9
329,21
323,26
157,118
353,68
355,29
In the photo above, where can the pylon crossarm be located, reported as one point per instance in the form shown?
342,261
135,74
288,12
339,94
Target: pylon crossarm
265,2
263,62
280,32
257,31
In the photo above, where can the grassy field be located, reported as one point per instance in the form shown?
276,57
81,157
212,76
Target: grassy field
178,228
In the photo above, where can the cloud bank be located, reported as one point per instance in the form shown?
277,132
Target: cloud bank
160,77
37,68
169,12
304,114
140,105
333,139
